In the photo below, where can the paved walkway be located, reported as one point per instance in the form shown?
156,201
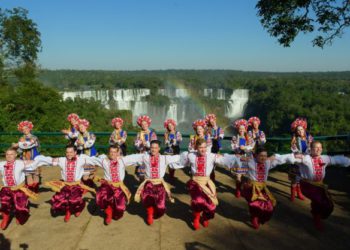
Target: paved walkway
290,228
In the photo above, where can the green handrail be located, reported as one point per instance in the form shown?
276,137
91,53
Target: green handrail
280,140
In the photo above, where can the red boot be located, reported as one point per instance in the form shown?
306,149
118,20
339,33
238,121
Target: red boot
67,216
108,212
150,212
238,189
293,190
255,222
5,220
196,217
205,222
299,193
317,222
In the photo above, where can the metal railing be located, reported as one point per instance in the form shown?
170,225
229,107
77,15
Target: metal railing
52,141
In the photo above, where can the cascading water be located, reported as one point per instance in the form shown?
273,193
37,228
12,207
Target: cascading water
183,108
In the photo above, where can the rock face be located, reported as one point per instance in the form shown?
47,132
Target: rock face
183,106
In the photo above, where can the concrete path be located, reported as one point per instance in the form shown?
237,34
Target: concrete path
290,228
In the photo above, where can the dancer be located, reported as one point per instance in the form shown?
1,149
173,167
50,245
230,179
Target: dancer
69,190
255,133
260,200
85,144
172,140
242,145
143,141
200,128
72,132
202,189
312,172
153,190
28,148
118,136
301,141
217,134
14,194
112,196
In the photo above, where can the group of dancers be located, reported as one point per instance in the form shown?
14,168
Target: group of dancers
249,162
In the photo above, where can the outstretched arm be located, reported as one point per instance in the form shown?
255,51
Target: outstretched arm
340,160
278,159
134,159
182,161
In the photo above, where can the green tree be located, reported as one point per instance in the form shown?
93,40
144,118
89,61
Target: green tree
286,19
19,44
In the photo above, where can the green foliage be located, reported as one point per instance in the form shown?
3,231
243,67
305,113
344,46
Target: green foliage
286,19
19,44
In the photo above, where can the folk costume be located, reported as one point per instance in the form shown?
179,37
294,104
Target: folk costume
28,146
205,136
216,134
153,190
300,145
14,193
172,140
143,141
312,173
118,136
260,200
70,189
242,145
201,188
255,133
112,196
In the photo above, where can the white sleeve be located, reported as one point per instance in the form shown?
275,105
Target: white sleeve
340,160
228,160
98,161
2,164
72,135
182,161
88,160
41,160
283,159
26,145
169,159
133,159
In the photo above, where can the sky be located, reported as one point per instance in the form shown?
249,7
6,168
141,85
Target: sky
170,34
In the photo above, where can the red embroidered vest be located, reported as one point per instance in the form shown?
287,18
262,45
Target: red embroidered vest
70,170
201,165
154,167
9,174
317,164
260,172
114,168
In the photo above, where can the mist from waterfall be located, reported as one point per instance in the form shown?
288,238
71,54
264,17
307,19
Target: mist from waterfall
183,107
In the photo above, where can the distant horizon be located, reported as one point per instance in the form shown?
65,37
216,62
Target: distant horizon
182,69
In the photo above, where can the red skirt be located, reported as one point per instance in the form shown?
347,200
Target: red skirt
69,198
200,202
321,201
108,195
258,208
16,201
154,196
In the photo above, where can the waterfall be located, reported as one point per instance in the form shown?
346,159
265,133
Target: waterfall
183,109
236,104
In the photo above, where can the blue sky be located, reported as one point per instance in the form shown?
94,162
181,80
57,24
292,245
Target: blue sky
169,34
